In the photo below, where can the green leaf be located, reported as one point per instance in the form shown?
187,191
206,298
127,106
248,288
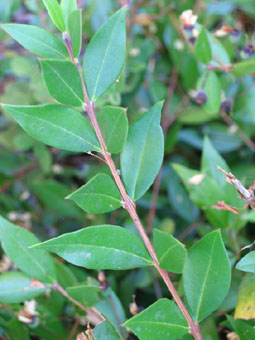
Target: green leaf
56,14
206,275
75,29
105,330
63,81
16,287
43,156
68,6
245,307
105,55
15,243
242,328
114,126
37,40
52,194
143,152
171,253
247,263
202,48
98,196
162,320
56,125
85,294
243,68
199,194
100,247
212,88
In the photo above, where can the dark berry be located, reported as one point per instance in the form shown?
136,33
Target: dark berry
248,50
226,105
201,97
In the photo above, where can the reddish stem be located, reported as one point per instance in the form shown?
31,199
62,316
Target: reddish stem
129,205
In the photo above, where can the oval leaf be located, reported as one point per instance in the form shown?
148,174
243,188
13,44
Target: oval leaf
98,196
171,253
75,29
105,55
56,14
16,287
68,6
37,40
206,275
15,243
114,126
243,68
63,81
105,330
247,263
162,320
56,125
100,247
245,307
202,47
85,294
142,156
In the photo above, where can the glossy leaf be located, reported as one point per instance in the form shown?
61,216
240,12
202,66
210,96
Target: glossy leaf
143,153
52,194
16,287
16,242
206,275
37,40
212,89
247,263
105,55
56,14
105,330
85,294
98,196
56,125
114,126
68,6
75,29
243,68
171,253
63,81
162,320
202,47
100,247
245,307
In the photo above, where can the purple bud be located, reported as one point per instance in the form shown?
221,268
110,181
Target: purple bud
226,105
248,50
234,35
192,40
201,97
188,31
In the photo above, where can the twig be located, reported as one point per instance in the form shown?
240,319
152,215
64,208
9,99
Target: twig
130,205
74,328
240,132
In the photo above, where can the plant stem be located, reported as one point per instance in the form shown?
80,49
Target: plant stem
129,205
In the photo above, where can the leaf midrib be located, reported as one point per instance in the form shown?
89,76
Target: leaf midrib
159,323
96,194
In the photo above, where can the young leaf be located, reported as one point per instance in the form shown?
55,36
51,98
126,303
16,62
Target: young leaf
243,68
75,29
98,196
56,14
247,263
56,125
212,89
206,275
203,48
105,54
100,247
162,320
245,307
114,125
63,81
16,287
37,40
15,243
170,252
143,153
68,6
52,194
105,329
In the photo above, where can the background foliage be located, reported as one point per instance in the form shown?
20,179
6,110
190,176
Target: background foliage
207,84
